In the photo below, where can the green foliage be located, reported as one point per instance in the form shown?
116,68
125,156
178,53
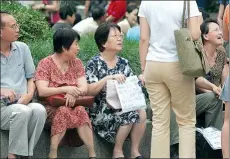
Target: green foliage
32,23
41,49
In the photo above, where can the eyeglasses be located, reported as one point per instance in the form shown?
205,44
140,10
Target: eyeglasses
14,27
118,36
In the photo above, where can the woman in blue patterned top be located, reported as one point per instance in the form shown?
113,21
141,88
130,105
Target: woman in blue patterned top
106,66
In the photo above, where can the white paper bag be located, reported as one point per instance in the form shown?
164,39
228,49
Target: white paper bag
212,136
127,96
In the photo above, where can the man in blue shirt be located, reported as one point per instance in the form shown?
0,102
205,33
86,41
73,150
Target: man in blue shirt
23,119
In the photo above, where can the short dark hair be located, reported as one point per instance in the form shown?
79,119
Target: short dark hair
97,13
131,8
205,14
102,33
63,38
66,10
2,13
204,27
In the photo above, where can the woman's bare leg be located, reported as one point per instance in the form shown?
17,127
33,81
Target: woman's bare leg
55,140
86,135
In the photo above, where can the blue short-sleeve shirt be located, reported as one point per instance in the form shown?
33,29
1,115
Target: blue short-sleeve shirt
17,68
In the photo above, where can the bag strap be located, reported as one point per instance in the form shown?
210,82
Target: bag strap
183,15
184,25
188,7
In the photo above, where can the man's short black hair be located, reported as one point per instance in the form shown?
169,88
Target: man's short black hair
63,38
102,33
204,27
97,13
2,13
66,10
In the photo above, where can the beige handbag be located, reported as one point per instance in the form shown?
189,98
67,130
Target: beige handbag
112,98
191,53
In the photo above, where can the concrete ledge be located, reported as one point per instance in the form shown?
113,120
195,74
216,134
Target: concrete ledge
103,149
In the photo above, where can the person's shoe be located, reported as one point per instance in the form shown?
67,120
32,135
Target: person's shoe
139,157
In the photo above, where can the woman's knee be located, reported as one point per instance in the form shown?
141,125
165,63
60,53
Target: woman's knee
63,110
210,97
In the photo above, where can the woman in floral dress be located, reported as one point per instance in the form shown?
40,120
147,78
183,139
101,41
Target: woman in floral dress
63,73
105,66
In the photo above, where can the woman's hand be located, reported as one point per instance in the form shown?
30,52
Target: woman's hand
141,78
70,100
216,90
72,90
119,77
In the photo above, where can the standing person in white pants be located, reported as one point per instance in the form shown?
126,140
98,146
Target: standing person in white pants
165,83
24,120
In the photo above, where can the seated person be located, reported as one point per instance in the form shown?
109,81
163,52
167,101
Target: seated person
225,130
134,32
207,101
89,25
105,66
130,19
63,73
67,15
23,119
116,10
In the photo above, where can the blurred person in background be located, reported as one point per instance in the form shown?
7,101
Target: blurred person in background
226,29
130,19
67,14
222,5
116,10
50,7
89,25
134,32
91,4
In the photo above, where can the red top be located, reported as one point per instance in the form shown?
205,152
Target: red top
54,16
117,9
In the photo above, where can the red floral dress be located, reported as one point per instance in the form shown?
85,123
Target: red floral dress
62,118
